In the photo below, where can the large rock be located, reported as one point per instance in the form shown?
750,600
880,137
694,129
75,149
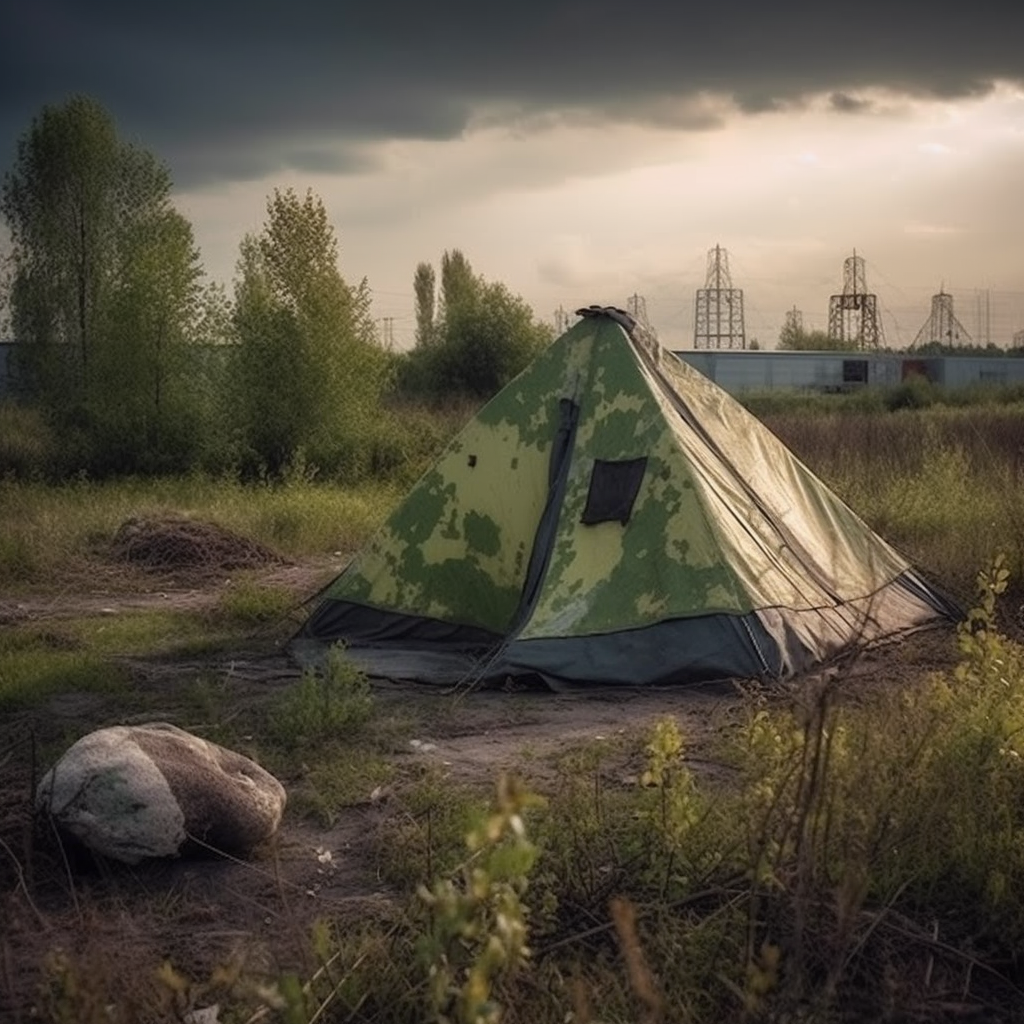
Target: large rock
136,791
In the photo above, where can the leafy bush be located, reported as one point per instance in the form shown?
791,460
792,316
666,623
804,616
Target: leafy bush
479,339
26,442
916,392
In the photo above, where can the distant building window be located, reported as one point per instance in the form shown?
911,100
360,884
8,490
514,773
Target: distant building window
992,376
914,368
855,371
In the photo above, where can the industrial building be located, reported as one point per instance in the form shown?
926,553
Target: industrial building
738,371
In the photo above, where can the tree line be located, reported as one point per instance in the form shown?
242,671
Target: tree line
138,364
795,338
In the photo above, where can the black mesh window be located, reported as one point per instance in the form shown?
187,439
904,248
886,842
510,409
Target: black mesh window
855,371
613,489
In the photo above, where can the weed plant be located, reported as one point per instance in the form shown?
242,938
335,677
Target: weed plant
327,702
426,835
249,603
864,861
475,932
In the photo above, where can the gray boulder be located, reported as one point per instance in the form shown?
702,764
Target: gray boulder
135,791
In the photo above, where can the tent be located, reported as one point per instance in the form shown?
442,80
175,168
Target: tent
612,517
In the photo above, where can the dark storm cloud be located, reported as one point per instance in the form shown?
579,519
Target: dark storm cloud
844,103
223,90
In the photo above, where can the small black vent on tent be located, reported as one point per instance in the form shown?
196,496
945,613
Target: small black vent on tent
613,489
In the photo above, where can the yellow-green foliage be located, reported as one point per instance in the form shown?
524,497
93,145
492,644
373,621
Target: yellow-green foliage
678,807
913,799
476,930
851,822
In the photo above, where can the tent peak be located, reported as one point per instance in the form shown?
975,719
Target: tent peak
620,316
640,333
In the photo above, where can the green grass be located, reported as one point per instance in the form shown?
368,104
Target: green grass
49,527
427,836
341,776
30,674
250,603
83,653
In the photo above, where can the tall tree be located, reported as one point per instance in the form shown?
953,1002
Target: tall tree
481,336
311,371
105,274
424,284
146,363
459,285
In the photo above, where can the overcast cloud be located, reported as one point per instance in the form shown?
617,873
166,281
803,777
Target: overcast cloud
225,90
795,131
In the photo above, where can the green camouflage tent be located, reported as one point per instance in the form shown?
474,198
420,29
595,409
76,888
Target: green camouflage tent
612,517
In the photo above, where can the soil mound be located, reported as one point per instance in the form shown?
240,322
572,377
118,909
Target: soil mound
174,543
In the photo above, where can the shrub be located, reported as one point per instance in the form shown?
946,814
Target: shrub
26,441
324,702
916,392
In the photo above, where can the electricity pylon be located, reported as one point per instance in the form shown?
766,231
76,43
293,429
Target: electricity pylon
853,316
718,320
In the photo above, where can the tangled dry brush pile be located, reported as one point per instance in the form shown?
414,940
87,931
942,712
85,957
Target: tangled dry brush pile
175,543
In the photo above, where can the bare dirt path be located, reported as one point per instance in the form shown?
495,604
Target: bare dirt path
100,589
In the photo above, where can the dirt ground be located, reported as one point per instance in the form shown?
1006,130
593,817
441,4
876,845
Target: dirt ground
197,912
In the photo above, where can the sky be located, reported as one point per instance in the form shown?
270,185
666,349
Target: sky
580,151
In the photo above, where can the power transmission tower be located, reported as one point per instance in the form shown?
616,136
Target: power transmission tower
388,331
853,316
718,319
942,325
636,307
561,321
